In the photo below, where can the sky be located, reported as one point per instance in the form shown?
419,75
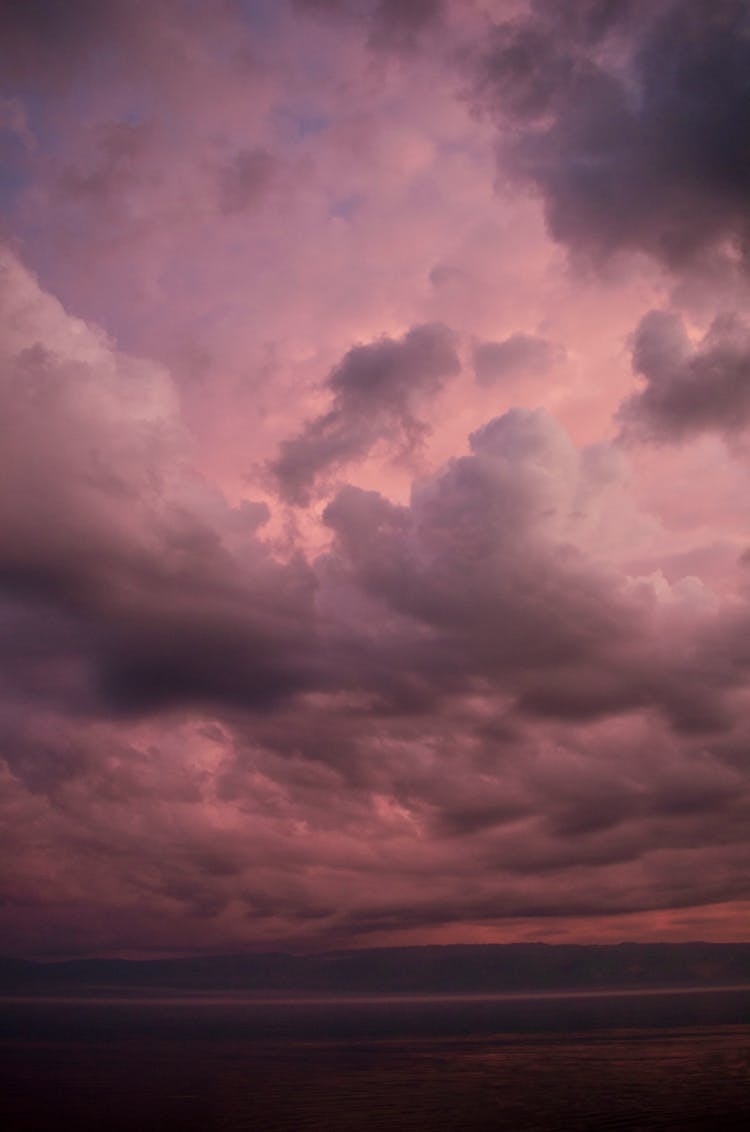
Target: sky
375,473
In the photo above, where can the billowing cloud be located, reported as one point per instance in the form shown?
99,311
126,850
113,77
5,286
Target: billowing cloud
339,599
495,561
630,121
488,702
168,589
689,389
376,390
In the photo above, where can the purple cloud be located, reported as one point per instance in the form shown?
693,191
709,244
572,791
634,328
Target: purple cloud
689,389
630,121
376,390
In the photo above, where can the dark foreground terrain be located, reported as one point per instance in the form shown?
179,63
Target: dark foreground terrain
467,969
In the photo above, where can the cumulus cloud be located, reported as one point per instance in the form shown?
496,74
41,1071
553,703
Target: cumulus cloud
457,694
376,390
690,389
488,561
488,703
632,129
172,593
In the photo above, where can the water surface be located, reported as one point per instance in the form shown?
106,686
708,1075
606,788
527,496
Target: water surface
644,1062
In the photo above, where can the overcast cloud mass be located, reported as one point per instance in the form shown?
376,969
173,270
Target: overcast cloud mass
374,476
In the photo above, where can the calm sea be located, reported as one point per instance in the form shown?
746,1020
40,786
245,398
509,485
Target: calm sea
677,1061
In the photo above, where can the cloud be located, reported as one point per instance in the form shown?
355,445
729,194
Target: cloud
508,699
399,23
376,390
393,24
632,129
114,166
690,389
457,697
517,356
486,579
247,179
490,579
172,595
45,43
483,558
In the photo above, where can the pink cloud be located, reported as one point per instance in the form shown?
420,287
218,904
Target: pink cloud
346,597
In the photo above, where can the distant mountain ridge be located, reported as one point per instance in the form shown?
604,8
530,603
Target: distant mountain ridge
451,969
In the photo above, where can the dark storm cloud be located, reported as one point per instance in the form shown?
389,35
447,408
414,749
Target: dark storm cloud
152,593
208,648
169,595
376,389
634,130
148,588
482,566
136,633
470,705
516,356
689,389
475,558
365,668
